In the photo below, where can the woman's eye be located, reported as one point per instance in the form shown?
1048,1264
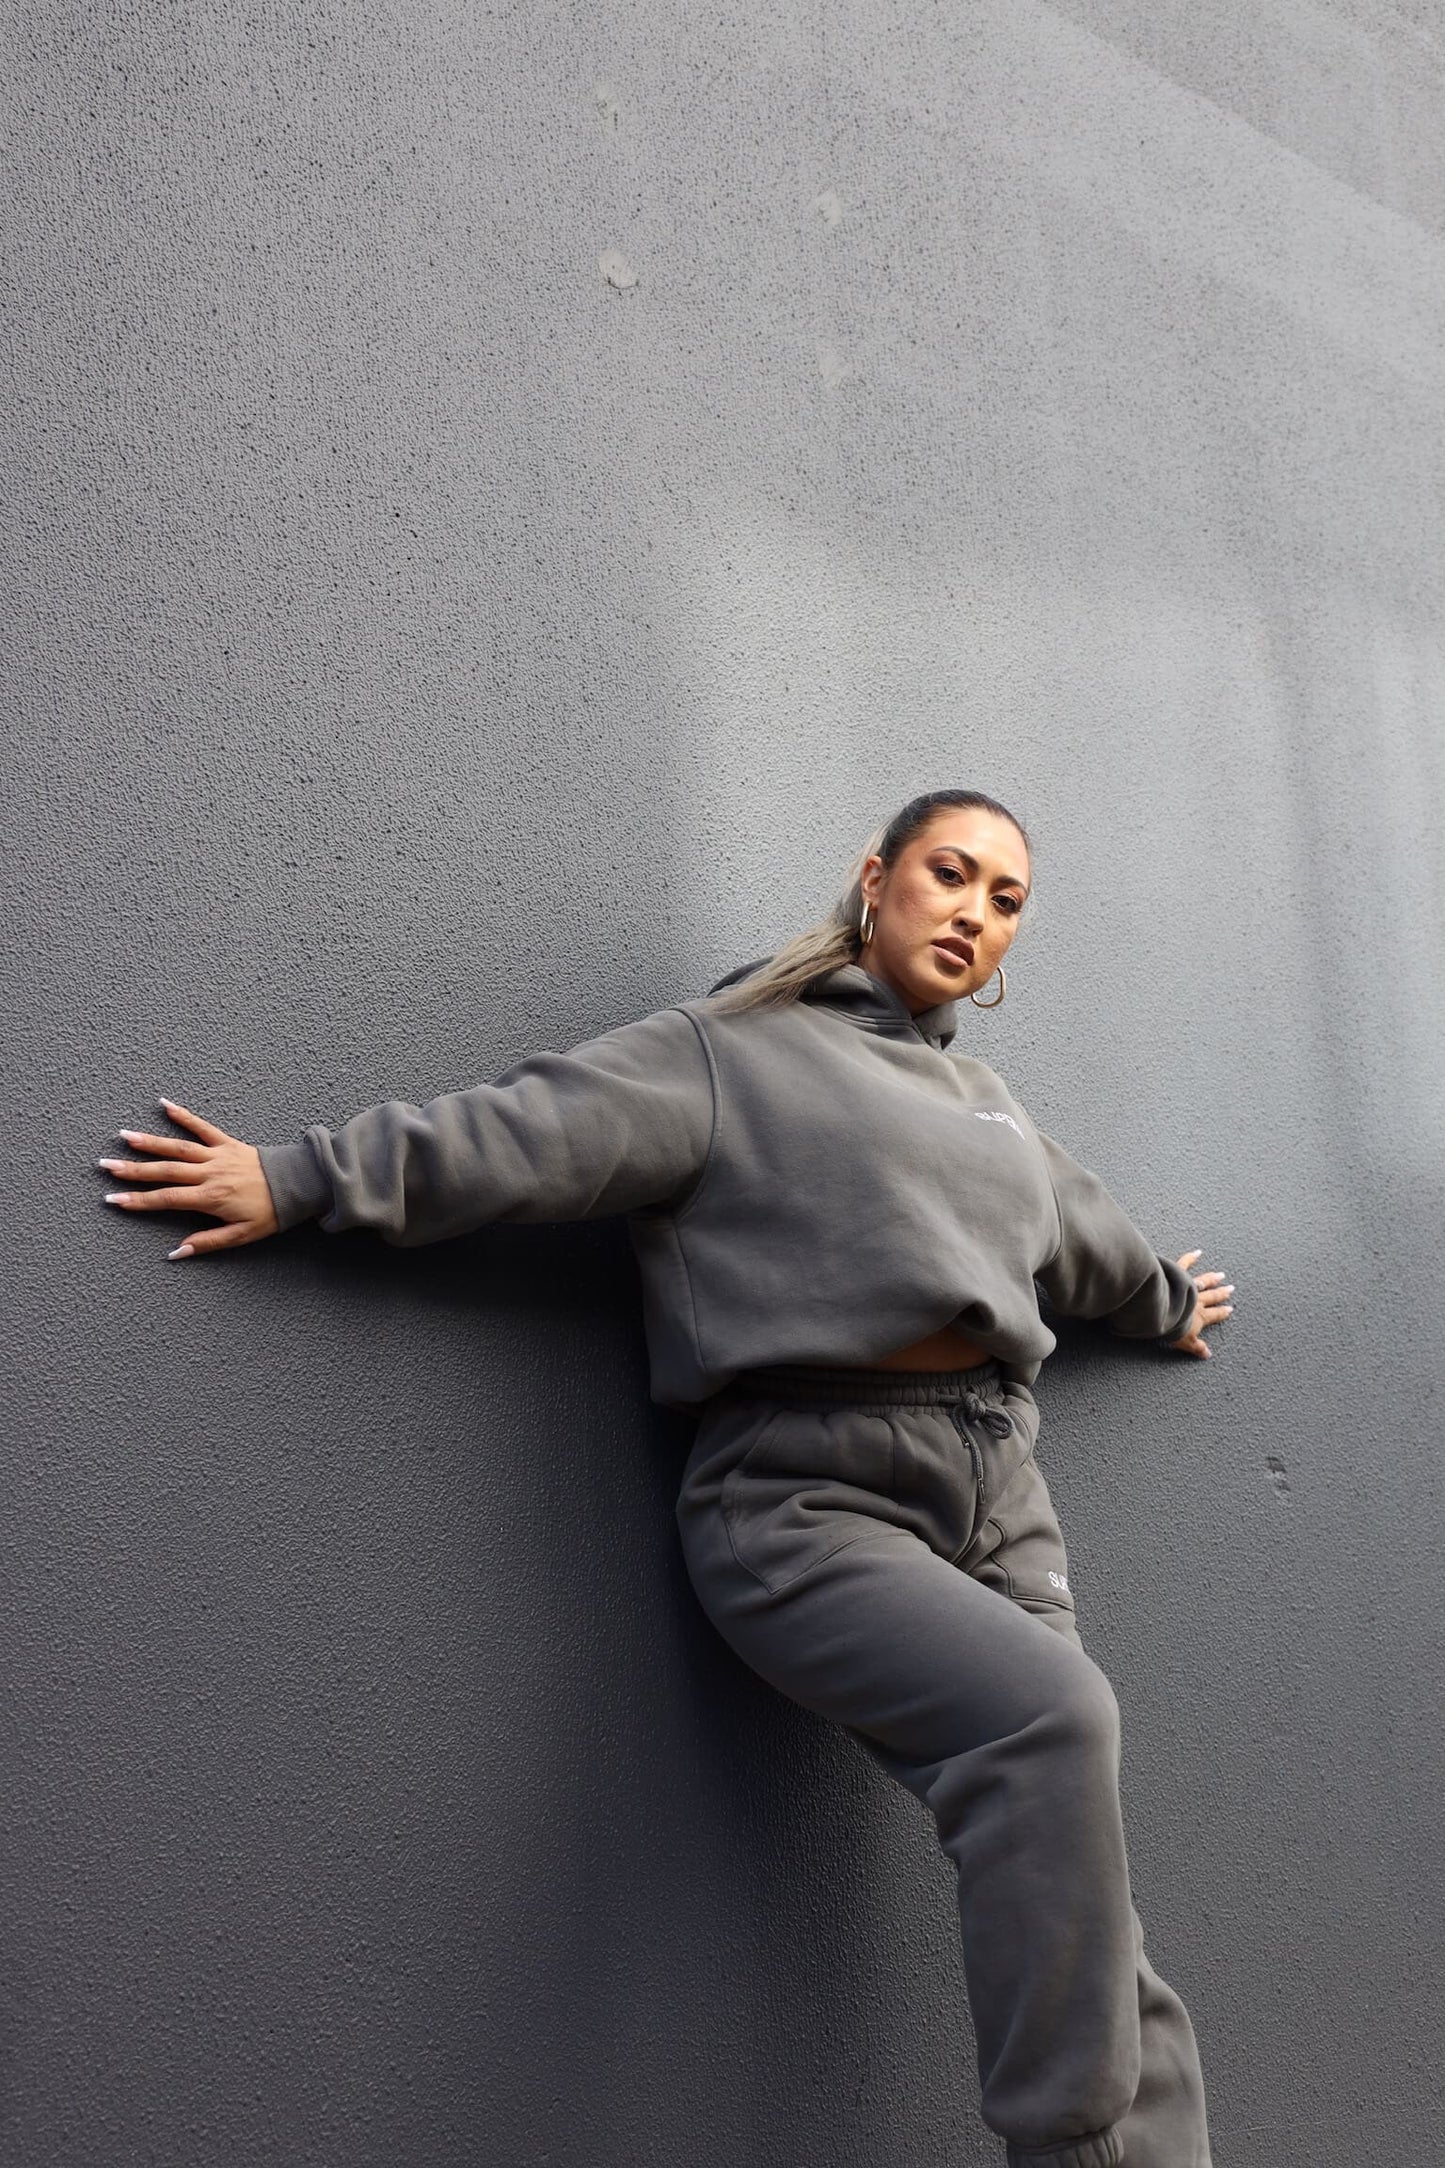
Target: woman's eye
1012,902
948,873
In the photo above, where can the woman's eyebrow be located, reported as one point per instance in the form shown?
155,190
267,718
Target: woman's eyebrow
1010,879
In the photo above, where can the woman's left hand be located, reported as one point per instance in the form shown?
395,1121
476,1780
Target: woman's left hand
1208,1310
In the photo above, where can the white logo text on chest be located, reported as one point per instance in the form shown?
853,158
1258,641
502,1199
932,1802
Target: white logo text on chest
996,1114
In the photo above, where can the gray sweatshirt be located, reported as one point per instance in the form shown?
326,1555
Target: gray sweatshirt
819,1183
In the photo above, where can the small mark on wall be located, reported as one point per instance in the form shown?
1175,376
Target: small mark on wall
829,206
616,269
833,369
608,111
1278,1475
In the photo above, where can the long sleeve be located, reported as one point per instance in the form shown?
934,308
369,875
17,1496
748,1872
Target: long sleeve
619,1123
1104,1268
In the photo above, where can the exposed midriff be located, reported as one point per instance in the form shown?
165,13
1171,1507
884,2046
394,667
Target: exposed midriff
946,1349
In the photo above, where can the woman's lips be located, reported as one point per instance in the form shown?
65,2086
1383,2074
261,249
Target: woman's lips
960,953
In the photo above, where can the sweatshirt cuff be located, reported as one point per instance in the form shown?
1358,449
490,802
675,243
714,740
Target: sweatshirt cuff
1186,1294
1174,1292
298,1185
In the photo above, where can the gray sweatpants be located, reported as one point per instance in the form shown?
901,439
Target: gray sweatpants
881,1546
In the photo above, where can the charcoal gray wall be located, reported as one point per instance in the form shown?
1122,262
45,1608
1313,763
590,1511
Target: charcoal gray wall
501,500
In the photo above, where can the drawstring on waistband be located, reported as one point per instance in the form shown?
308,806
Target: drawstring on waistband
973,1411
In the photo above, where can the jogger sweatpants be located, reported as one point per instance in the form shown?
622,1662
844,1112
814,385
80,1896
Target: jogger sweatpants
881,1546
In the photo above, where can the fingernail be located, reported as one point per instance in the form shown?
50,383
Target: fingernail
109,1165
1228,1310
185,1250
130,1135
115,1196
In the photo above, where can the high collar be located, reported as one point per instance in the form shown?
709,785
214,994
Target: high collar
859,994
867,1002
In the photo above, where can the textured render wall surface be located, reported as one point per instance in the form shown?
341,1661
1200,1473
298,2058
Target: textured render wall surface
500,500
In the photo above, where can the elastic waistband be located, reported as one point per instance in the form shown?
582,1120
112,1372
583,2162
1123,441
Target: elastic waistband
802,1385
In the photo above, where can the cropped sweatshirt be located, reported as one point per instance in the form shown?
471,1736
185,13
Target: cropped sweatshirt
817,1183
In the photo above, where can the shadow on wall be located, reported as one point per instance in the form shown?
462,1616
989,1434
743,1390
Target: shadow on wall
686,1890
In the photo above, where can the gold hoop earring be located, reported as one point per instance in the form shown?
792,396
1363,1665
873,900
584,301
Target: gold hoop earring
998,997
868,918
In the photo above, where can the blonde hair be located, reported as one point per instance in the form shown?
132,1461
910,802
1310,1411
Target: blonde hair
837,939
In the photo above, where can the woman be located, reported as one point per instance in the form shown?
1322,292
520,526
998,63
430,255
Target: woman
841,1231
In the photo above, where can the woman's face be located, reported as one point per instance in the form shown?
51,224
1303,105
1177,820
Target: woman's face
947,908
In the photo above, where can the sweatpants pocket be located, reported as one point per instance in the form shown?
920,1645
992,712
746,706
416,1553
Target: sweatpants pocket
812,1482
1023,1553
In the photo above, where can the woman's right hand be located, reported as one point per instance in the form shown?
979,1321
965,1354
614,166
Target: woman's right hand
219,1174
